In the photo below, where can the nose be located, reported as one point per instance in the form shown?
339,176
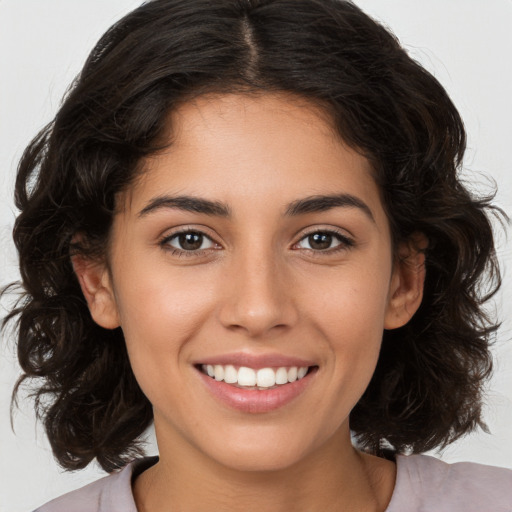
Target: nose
258,296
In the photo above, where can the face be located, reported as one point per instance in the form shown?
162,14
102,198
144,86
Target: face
254,248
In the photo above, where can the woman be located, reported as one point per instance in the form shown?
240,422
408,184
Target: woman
245,225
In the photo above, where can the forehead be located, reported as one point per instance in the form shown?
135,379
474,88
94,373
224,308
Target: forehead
254,150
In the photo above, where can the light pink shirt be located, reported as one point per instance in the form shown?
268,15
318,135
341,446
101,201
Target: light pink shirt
424,484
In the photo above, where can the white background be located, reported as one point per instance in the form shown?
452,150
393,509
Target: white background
467,44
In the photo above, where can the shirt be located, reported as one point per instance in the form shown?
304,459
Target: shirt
423,484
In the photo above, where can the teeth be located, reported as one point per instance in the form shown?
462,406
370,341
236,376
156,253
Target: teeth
282,376
230,374
292,374
219,372
248,377
266,378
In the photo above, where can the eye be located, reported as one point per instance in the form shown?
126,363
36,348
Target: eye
325,241
189,241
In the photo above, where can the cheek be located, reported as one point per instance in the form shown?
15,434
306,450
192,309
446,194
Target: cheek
160,311
353,300
160,298
351,318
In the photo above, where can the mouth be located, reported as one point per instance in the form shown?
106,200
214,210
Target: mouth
256,383
261,379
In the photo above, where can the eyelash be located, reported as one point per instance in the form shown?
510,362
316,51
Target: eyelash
345,243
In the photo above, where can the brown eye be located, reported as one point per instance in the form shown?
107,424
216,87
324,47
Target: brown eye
324,241
190,241
320,241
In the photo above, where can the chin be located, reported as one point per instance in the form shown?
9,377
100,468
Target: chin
258,462
255,456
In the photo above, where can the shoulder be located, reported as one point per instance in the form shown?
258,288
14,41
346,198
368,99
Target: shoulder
112,493
429,484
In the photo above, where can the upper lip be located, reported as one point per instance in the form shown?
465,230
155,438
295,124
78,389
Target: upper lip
256,361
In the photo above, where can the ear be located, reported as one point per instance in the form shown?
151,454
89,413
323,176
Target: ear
406,289
95,281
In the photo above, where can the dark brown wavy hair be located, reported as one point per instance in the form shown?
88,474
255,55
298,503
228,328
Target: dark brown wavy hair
427,388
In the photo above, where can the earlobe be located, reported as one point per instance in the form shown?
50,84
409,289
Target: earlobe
407,281
95,281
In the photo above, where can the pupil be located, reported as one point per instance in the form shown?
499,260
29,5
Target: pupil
320,241
191,241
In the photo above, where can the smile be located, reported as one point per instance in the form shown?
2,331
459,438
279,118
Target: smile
256,384
249,378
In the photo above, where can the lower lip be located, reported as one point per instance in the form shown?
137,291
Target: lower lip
255,400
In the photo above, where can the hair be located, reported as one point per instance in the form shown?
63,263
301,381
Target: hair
427,389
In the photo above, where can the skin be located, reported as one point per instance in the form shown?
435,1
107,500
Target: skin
257,287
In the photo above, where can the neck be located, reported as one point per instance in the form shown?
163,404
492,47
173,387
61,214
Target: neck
336,477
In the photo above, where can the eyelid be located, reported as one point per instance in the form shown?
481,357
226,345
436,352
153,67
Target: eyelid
187,228
346,241
163,241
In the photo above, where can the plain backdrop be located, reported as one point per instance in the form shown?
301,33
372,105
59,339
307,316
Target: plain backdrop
466,44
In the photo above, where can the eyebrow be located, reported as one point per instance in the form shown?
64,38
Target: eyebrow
311,204
321,203
189,204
